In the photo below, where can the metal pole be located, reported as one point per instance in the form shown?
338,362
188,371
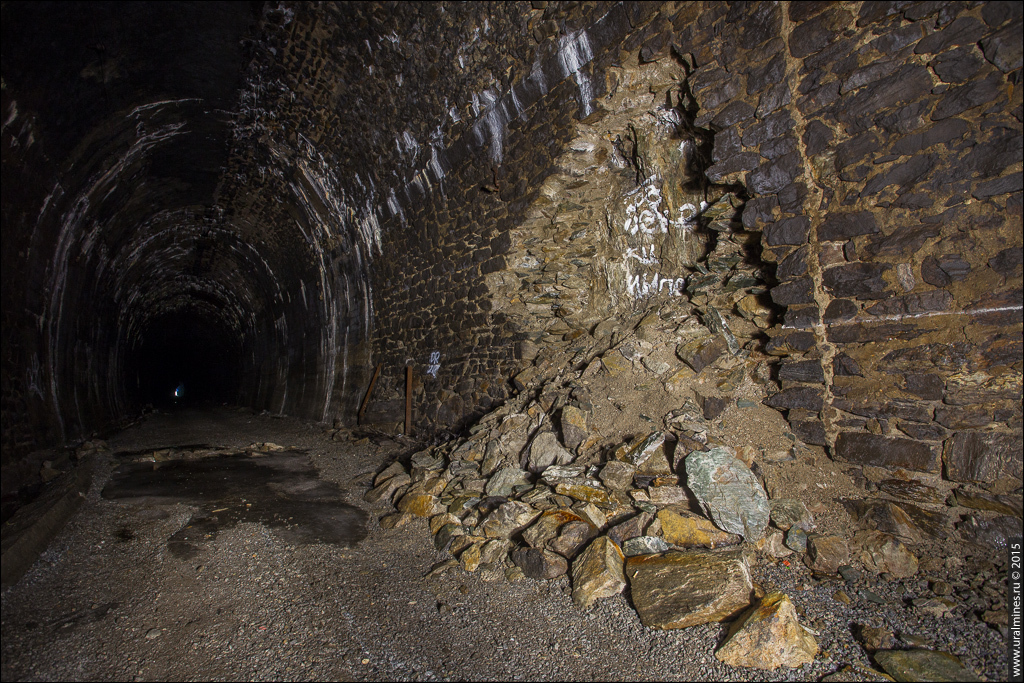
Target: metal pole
408,400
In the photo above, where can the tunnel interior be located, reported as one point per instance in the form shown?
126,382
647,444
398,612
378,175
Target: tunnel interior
268,202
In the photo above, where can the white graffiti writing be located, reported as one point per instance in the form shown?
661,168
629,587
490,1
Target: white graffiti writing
639,286
645,219
645,256
435,363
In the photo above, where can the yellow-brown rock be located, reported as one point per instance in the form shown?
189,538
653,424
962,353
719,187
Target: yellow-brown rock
769,637
690,531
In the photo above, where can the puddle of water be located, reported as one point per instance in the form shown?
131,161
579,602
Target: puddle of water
279,490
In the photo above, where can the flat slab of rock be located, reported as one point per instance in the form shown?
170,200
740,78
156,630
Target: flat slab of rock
506,479
729,492
547,525
510,518
617,475
583,492
680,589
574,426
644,545
826,554
923,665
787,512
769,637
597,572
420,504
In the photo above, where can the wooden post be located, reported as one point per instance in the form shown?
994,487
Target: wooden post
366,399
408,400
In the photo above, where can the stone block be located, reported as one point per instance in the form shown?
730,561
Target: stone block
843,226
809,431
826,554
802,371
1003,48
817,33
858,280
961,31
1005,185
769,637
983,457
597,572
840,310
871,449
808,398
908,84
935,300
774,175
793,230
702,352
967,96
540,564
794,292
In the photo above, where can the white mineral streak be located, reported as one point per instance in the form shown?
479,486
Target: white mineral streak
71,244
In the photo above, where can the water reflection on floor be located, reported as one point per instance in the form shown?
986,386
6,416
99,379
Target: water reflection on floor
280,489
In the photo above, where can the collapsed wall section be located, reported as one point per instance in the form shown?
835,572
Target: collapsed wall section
876,151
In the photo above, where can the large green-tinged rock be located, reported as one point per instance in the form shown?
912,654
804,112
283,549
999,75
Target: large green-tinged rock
506,479
923,665
729,492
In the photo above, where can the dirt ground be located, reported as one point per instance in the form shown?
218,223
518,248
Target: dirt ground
108,600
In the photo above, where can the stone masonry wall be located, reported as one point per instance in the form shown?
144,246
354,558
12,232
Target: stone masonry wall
875,148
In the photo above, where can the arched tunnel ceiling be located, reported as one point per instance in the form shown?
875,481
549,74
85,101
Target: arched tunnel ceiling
228,161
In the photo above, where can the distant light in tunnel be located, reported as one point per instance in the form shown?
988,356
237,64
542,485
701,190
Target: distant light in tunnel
179,391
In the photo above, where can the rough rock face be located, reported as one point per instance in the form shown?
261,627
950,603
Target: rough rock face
729,492
598,572
769,637
680,589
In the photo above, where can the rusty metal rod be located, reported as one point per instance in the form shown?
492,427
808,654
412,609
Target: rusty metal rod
369,392
408,400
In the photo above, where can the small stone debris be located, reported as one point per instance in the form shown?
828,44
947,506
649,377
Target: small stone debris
669,513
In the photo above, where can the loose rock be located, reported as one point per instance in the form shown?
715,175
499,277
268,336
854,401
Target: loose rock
729,492
597,572
881,552
540,564
770,637
680,589
923,665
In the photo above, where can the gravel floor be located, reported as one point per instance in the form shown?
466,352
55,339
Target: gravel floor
108,601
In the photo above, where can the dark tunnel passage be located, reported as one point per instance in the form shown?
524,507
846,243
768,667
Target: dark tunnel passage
185,359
